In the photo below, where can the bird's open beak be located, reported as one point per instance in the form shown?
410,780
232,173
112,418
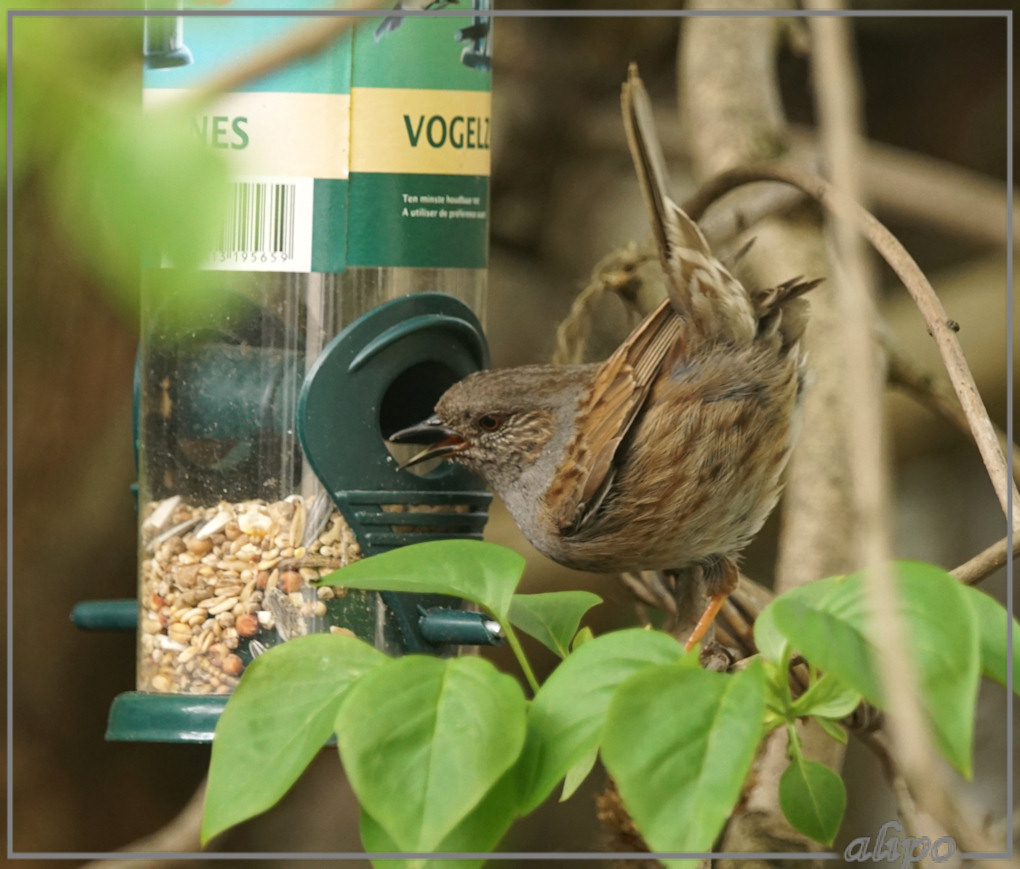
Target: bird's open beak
443,441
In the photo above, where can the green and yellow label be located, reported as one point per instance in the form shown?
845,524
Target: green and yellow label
374,153
428,132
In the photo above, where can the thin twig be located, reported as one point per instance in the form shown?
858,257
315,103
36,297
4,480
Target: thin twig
963,203
923,777
617,272
938,322
987,561
180,835
968,836
837,99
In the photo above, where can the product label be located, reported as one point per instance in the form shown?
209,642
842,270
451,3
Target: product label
373,153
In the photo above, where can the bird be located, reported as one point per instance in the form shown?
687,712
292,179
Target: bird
669,455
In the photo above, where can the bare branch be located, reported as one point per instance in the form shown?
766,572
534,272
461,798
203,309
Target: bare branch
732,114
963,203
617,272
180,835
969,836
988,560
837,98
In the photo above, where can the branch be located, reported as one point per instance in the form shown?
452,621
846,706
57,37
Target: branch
988,560
732,113
938,322
968,836
837,98
922,776
181,835
963,203
617,272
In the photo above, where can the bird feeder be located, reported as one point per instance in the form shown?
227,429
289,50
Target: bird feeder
333,315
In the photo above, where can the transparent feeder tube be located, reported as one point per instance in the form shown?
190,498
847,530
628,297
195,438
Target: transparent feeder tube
235,527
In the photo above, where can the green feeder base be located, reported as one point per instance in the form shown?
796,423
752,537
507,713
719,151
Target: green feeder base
139,717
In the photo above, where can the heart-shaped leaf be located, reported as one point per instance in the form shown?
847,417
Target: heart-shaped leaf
828,622
278,718
679,742
993,638
832,608
577,774
767,637
566,717
480,831
423,740
827,697
483,573
552,617
813,799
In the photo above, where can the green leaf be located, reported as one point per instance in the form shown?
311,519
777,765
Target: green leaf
424,739
770,642
278,718
833,729
375,840
483,573
827,697
566,717
552,617
479,831
577,774
993,639
679,743
585,635
826,620
813,799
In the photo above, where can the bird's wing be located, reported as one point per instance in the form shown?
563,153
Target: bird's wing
699,286
705,303
619,392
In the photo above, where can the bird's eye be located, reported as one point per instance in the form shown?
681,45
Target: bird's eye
490,422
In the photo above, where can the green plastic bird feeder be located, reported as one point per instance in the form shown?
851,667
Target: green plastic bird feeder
342,300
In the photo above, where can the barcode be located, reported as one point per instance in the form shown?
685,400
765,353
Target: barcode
259,223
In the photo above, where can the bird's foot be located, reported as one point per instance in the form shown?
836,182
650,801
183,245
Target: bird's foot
716,657
705,622
719,577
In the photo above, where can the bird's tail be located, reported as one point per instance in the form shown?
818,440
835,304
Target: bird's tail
701,289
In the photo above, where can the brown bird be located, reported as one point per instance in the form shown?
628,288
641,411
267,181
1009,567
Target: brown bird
668,455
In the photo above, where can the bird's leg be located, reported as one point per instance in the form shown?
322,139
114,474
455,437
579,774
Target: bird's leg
720,577
688,598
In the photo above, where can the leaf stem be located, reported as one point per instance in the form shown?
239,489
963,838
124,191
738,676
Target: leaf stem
518,651
793,744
